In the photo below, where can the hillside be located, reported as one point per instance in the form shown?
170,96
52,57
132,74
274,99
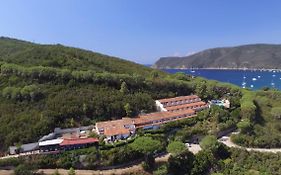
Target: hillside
48,86
266,56
58,56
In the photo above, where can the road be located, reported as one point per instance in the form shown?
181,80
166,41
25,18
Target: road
134,168
194,148
227,141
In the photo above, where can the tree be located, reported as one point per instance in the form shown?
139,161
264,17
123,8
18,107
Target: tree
128,109
176,147
201,89
203,162
181,163
71,171
23,170
124,88
154,74
149,162
146,145
92,157
180,76
208,142
245,126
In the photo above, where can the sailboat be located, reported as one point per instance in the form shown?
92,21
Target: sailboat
244,82
192,70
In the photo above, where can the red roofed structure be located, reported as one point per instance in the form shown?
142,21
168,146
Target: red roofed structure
195,106
170,109
79,141
70,144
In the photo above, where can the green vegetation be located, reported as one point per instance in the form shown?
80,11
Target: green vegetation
181,163
208,141
146,145
243,162
23,170
56,172
71,171
260,125
48,86
218,159
176,147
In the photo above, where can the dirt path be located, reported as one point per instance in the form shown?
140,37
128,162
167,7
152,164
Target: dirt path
119,171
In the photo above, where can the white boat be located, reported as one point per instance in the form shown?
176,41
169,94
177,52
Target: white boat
273,75
252,86
254,79
259,76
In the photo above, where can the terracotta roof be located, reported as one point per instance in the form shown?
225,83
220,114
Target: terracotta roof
115,127
112,123
160,116
184,106
116,131
79,141
165,100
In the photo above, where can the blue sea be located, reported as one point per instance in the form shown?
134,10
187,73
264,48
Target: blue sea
243,78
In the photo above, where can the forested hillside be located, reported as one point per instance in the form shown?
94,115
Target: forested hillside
48,86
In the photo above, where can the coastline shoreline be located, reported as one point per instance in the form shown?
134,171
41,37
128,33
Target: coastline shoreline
214,68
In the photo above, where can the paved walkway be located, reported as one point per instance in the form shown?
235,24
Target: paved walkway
227,141
194,148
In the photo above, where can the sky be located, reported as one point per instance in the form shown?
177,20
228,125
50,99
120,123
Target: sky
142,30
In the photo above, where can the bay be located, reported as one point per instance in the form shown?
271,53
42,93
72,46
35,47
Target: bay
252,79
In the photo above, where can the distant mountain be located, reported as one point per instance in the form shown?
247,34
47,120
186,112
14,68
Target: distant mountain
266,56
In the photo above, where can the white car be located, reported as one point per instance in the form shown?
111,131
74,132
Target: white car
224,138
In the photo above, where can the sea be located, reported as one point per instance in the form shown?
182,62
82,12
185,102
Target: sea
251,79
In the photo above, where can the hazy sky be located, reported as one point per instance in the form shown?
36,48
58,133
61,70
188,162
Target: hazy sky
143,30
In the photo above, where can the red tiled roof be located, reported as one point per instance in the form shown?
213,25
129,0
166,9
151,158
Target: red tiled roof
116,131
160,116
115,127
112,123
165,100
79,141
201,103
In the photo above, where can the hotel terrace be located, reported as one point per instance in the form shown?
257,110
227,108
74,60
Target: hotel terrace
170,109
